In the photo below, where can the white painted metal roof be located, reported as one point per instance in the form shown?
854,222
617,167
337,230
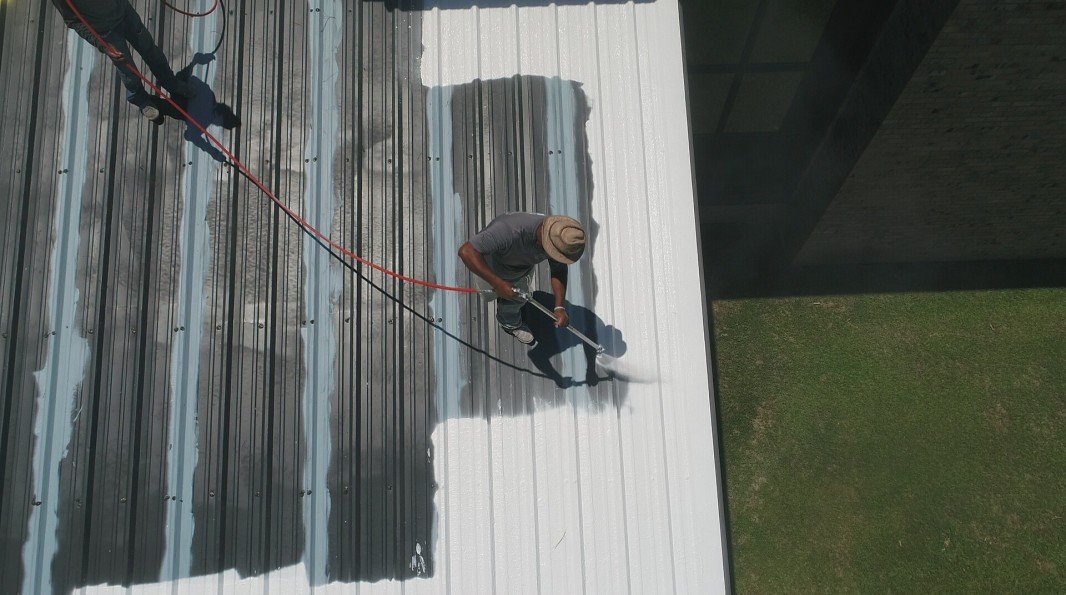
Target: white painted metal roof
637,485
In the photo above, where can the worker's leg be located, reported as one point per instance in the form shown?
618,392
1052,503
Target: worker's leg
114,47
141,40
509,312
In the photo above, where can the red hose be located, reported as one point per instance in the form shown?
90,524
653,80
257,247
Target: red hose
240,166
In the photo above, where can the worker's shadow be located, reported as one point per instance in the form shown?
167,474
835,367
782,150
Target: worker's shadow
202,107
552,342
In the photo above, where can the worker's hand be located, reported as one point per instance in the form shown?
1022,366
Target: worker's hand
562,319
505,290
113,53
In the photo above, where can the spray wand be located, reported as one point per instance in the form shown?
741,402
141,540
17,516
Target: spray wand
528,298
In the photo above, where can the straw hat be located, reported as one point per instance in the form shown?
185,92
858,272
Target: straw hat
562,238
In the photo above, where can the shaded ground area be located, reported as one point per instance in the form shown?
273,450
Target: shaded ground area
855,146
896,443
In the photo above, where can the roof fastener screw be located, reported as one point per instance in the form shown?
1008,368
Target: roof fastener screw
122,499
261,325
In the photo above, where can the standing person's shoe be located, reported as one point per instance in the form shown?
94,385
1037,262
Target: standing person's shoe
522,333
150,111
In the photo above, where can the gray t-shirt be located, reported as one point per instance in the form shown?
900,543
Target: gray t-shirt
509,245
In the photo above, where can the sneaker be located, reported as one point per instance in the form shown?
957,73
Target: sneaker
150,111
522,333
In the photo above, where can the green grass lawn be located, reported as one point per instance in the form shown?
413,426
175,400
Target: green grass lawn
896,443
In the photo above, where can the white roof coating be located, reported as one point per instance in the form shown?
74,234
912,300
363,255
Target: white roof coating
660,449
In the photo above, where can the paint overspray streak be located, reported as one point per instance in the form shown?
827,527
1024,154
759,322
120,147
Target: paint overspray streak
448,370
68,350
195,237
323,283
564,199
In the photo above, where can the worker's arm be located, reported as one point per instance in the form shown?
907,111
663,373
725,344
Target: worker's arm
559,274
475,261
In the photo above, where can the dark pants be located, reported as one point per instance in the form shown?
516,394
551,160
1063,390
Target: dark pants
132,33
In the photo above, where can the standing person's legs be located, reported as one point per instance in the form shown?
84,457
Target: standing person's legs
114,47
141,40
509,312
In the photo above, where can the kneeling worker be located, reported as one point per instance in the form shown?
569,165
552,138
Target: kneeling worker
504,254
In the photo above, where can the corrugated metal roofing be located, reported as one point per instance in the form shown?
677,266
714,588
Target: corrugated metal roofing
197,396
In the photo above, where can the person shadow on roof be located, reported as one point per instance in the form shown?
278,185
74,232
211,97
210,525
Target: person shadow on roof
553,341
203,107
